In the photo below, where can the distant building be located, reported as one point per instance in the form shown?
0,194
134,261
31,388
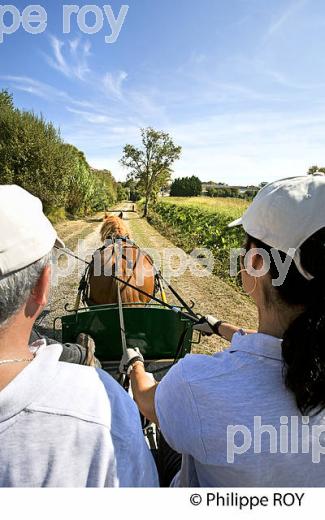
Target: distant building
206,186
164,193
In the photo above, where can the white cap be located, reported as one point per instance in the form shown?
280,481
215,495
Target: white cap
285,213
26,235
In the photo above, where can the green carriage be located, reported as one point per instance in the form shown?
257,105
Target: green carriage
161,334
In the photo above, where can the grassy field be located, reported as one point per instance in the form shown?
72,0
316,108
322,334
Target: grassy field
220,204
202,222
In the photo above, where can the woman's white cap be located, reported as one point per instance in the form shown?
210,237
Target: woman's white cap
26,235
285,213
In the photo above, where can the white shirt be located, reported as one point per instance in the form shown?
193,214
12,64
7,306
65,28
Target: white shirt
202,400
65,425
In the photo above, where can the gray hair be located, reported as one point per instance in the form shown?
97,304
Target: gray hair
15,288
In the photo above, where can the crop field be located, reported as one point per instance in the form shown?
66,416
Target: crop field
202,222
213,204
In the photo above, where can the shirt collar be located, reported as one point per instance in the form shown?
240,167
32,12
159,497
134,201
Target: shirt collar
257,344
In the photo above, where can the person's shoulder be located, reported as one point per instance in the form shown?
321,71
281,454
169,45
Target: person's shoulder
85,393
195,367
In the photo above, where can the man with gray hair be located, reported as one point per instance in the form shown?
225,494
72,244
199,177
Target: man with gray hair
61,425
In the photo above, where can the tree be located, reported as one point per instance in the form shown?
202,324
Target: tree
315,169
104,190
81,183
123,193
226,191
134,192
34,156
151,164
6,100
186,187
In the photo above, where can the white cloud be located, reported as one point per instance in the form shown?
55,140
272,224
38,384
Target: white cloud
37,88
73,63
113,82
276,25
74,44
92,117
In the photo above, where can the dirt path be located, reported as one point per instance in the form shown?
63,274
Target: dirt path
64,292
210,294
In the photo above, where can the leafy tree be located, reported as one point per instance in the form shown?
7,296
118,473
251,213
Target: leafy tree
315,169
151,164
186,187
211,192
226,191
34,156
6,100
122,192
104,190
81,184
134,191
251,193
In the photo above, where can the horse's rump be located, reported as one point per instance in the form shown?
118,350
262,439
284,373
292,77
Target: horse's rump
127,262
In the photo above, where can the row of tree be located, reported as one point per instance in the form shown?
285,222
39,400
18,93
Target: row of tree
233,192
226,191
34,156
315,169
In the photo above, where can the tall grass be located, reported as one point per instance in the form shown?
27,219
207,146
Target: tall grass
218,204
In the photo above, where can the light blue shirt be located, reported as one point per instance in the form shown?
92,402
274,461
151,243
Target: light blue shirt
203,399
65,425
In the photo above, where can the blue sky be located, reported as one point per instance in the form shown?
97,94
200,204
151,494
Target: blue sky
240,84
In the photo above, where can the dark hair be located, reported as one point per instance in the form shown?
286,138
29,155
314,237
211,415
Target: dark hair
303,346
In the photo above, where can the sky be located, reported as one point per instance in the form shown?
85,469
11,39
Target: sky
239,84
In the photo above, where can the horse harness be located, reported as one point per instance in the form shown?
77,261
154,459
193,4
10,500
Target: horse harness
114,242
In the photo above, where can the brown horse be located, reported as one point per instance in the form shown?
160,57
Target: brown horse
122,258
